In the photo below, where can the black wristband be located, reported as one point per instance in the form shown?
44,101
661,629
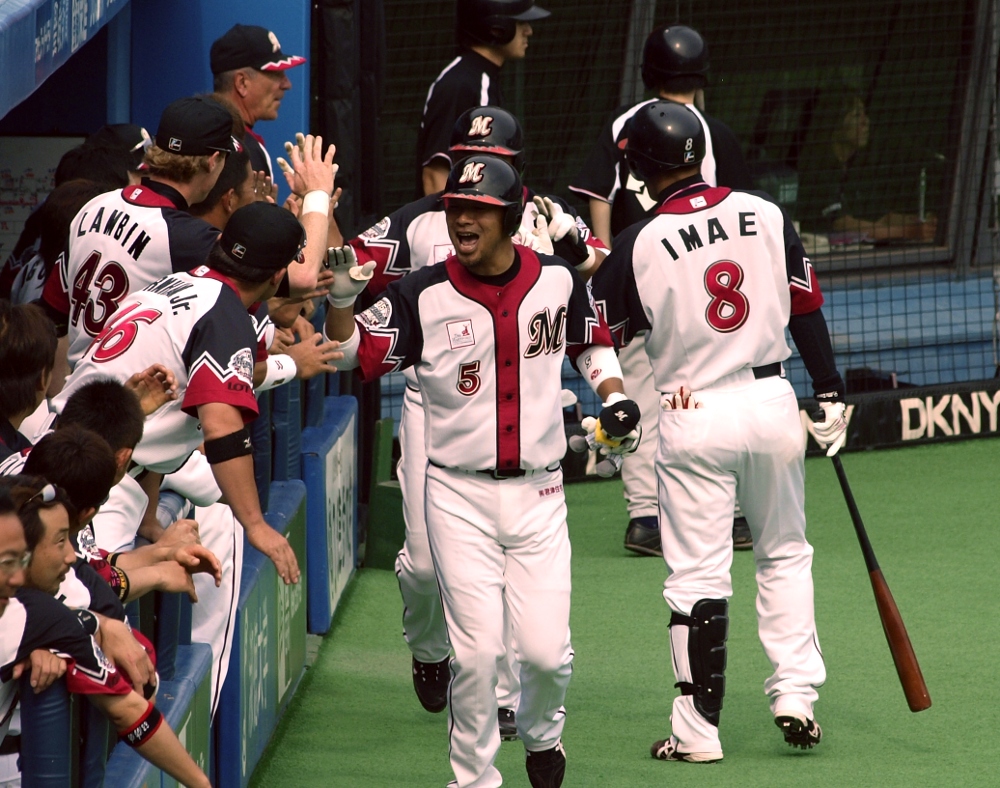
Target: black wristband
574,253
143,729
229,447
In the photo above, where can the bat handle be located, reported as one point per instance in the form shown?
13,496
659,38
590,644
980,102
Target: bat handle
859,526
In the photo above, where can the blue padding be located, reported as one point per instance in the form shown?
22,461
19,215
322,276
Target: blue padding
46,734
260,435
328,458
97,735
314,389
286,416
168,631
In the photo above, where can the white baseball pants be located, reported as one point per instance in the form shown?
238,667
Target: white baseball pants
638,472
495,542
746,440
423,619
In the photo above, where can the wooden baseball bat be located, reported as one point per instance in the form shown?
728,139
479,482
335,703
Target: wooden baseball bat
914,686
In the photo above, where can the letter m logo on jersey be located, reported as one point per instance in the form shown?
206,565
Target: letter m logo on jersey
473,172
545,334
482,126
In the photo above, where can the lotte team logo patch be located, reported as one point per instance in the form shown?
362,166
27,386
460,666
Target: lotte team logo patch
460,334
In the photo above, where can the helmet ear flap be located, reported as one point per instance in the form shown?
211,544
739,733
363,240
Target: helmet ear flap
512,218
502,30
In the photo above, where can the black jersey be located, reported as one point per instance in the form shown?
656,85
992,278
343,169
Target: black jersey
470,80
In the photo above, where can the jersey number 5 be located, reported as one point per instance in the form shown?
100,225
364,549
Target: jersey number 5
118,337
729,307
468,378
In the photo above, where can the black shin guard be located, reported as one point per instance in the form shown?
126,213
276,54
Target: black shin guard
708,627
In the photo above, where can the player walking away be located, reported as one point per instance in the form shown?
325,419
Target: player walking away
124,240
248,68
486,333
197,324
490,32
674,67
713,278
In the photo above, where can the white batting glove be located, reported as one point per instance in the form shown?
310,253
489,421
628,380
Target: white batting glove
682,399
538,239
560,223
349,279
831,433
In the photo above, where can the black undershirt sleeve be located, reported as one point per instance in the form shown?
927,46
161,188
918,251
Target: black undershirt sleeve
812,338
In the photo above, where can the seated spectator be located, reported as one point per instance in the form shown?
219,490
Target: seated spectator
27,355
33,620
839,196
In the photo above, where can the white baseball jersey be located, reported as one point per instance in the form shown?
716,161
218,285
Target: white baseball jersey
416,236
488,356
121,242
713,277
196,325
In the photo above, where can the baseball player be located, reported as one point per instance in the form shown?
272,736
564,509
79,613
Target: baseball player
248,68
486,332
674,67
407,240
713,278
124,240
197,324
490,32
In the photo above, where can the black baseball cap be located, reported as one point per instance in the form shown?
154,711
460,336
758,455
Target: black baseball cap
250,46
196,126
263,236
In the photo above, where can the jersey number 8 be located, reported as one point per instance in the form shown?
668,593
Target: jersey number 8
729,307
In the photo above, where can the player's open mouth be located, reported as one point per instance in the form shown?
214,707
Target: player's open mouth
467,242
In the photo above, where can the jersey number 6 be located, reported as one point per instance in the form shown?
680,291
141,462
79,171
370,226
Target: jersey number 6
118,337
729,307
468,378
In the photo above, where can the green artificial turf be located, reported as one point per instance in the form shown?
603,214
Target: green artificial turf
932,518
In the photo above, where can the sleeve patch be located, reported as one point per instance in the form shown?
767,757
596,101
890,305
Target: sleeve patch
241,364
377,315
376,231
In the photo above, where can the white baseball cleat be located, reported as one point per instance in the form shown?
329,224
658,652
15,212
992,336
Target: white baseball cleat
666,750
799,730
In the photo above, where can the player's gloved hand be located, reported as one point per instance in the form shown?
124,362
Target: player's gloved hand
349,279
538,239
831,431
567,242
682,399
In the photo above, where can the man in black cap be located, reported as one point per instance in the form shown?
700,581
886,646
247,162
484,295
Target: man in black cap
126,239
198,325
490,32
249,68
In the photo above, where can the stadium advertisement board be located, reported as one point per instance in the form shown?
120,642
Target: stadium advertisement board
330,473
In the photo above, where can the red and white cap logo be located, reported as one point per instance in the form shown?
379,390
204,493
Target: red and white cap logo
472,172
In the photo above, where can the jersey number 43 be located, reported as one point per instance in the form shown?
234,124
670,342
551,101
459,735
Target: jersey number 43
111,283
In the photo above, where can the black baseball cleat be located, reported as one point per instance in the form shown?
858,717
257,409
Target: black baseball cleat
430,680
547,768
799,731
742,540
643,536
508,724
